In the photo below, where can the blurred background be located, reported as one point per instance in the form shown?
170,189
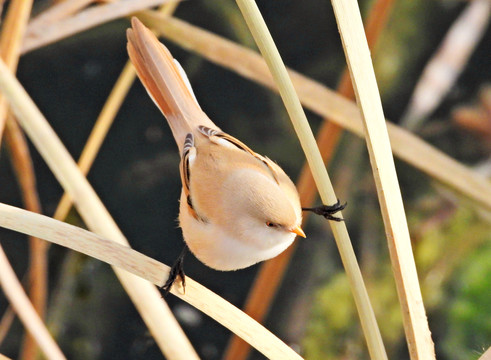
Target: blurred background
136,175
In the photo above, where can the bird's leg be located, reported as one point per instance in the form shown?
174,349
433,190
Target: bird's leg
328,210
177,270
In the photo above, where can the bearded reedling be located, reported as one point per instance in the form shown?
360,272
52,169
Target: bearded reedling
237,207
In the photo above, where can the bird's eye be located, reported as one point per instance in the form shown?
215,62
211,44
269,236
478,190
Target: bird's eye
270,224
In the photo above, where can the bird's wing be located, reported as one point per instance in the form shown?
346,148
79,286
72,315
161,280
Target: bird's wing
188,157
225,139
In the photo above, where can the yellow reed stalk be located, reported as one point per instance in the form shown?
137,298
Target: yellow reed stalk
57,12
151,270
326,103
11,38
154,311
43,35
272,57
105,120
24,309
99,132
269,277
350,25
486,355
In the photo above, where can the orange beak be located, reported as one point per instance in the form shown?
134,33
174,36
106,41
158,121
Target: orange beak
298,230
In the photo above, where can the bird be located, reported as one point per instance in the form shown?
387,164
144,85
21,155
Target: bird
237,207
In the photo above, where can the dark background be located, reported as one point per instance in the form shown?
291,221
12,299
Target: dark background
136,176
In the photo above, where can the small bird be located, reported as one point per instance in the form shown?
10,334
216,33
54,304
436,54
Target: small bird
237,207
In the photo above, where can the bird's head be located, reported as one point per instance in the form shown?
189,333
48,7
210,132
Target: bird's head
268,214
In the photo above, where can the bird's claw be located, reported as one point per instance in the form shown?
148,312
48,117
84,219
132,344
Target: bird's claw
327,211
176,271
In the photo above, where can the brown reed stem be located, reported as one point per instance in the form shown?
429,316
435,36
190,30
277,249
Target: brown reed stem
13,29
5,323
105,120
269,277
314,96
10,42
38,262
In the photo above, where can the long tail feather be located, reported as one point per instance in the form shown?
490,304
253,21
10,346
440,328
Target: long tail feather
164,82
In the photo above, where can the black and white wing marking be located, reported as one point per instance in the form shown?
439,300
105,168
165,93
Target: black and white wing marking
188,156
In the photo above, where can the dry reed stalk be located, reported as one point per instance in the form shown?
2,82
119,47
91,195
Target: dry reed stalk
108,112
105,120
24,309
350,26
151,270
38,255
10,41
326,103
154,311
57,12
84,20
314,96
13,29
486,355
268,49
5,323
270,275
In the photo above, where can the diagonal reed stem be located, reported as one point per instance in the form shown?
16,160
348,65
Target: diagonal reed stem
37,277
13,29
363,77
99,132
314,96
142,266
271,273
40,36
5,323
24,309
105,121
268,49
58,11
154,311
10,42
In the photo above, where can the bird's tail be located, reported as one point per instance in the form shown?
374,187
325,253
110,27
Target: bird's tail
165,81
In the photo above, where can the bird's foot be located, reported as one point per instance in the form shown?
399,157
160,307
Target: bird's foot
176,271
328,210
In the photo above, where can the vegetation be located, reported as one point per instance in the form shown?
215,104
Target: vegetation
303,296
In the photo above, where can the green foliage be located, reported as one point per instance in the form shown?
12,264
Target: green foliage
334,329
452,252
399,45
330,327
469,311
